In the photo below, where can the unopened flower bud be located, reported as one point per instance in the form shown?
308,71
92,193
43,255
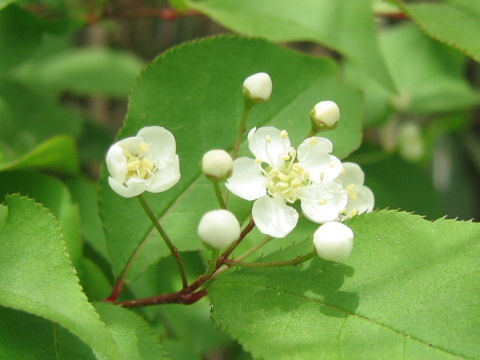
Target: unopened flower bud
410,142
217,164
257,87
218,229
325,115
333,241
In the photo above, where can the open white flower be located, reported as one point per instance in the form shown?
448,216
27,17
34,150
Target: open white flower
280,175
360,197
145,162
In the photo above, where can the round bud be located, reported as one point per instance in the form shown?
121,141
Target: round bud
257,87
217,164
333,241
325,115
410,142
218,229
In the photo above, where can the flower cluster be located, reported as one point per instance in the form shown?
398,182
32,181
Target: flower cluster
275,178
279,175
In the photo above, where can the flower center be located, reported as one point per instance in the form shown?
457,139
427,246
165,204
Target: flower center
138,165
286,180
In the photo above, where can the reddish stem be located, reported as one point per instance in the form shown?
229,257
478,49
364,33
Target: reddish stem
187,295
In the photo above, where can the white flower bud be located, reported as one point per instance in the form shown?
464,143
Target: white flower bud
333,241
410,142
257,87
218,229
325,115
217,164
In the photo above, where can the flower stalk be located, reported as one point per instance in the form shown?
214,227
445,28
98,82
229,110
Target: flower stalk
166,239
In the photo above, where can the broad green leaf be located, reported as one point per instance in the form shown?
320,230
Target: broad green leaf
37,276
20,35
28,337
408,291
52,194
345,26
93,280
90,71
133,336
197,95
58,154
453,22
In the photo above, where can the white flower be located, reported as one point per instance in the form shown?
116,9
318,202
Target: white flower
218,229
333,241
146,162
280,175
360,197
325,115
217,164
258,87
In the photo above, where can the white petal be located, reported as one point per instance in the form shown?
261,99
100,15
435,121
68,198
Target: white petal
247,180
312,148
362,202
327,169
351,174
116,163
161,143
273,217
131,144
133,187
165,177
268,144
323,202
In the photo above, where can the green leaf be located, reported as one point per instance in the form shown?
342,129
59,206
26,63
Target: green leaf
52,194
133,336
453,22
37,276
20,35
345,26
28,337
91,71
58,154
430,79
407,292
197,95
32,117
5,3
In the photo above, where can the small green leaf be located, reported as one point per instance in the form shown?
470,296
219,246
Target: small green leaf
52,194
133,336
408,291
91,71
333,23
197,95
20,35
31,117
453,22
58,154
37,276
